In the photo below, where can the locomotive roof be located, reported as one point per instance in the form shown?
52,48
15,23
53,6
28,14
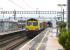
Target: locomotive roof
32,19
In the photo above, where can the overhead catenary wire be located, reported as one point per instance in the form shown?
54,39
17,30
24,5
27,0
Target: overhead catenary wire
16,4
12,1
27,4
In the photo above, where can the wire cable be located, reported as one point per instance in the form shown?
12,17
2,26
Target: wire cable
15,4
27,4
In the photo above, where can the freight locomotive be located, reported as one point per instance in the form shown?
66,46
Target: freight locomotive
33,26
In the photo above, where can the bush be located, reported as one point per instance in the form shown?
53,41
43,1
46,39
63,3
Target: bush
63,38
62,25
67,44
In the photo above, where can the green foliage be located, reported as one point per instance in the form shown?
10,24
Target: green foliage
62,25
63,37
67,44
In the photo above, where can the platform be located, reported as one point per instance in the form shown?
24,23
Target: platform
46,40
8,32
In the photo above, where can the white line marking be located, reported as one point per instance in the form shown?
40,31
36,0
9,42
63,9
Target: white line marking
41,41
30,41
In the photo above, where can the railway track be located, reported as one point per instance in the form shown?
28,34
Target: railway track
9,40
13,41
8,36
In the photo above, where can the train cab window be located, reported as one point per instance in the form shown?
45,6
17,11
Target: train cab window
35,23
29,23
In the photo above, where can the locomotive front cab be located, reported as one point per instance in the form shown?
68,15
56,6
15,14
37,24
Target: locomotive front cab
32,25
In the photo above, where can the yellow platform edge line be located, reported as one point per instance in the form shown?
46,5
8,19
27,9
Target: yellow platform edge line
37,48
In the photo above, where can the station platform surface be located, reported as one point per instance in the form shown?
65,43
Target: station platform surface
8,32
46,40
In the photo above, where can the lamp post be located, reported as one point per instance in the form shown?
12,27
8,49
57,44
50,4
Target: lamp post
14,12
2,13
62,10
36,10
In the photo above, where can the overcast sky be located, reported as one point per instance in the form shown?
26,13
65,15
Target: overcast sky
31,4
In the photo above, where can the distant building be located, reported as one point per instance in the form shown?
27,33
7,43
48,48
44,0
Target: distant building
22,24
8,26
